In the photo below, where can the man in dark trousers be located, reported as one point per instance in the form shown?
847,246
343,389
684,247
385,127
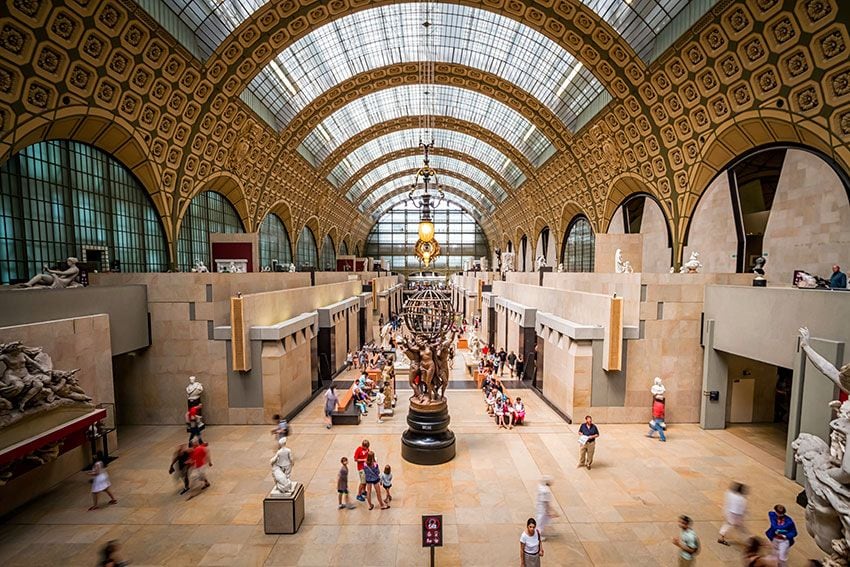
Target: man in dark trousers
588,432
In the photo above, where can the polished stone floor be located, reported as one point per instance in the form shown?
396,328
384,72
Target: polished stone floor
623,512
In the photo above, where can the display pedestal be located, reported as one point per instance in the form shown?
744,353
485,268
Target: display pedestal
428,440
283,513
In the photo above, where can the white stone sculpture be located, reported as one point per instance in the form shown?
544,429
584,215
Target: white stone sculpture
657,388
282,470
55,279
233,269
561,268
386,335
622,266
692,266
291,267
508,261
540,262
30,385
200,267
194,391
827,469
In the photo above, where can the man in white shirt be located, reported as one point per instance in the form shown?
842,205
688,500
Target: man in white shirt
735,506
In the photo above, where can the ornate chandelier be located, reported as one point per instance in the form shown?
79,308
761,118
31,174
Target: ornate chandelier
427,251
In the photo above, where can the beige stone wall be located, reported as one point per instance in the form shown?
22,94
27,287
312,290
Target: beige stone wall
353,331
286,375
626,286
765,376
339,346
809,224
567,368
514,332
616,226
656,252
577,306
605,252
712,232
271,307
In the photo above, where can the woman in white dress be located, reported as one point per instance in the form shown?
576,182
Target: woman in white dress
100,483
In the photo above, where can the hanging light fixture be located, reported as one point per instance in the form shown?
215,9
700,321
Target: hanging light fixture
427,251
426,177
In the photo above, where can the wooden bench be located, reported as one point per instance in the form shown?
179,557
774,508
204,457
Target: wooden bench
346,412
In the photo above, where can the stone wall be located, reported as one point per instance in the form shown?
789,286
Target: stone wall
286,375
809,224
712,232
567,370
605,252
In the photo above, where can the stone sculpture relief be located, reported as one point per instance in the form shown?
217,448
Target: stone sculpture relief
55,279
692,266
540,262
827,469
508,261
200,267
622,266
282,470
30,385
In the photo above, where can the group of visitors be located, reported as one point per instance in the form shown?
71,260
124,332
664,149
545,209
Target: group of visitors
499,405
370,356
494,362
190,464
371,479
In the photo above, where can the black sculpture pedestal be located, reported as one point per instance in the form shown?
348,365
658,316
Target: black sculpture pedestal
428,440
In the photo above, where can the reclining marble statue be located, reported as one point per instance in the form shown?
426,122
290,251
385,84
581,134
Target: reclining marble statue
827,469
55,279
29,384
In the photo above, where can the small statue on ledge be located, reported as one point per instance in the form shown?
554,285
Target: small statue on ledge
561,268
282,470
200,267
540,263
291,267
622,266
193,392
692,266
55,279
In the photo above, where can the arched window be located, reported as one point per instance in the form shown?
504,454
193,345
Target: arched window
62,198
523,251
328,255
208,212
343,249
274,242
578,251
396,232
307,255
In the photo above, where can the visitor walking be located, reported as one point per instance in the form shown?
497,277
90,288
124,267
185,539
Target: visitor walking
372,473
734,506
387,482
342,485
195,423
781,533
519,367
657,422
182,457
511,362
687,542
360,455
530,545
380,398
200,460
545,509
100,482
282,428
753,554
331,402
587,435
503,357
110,555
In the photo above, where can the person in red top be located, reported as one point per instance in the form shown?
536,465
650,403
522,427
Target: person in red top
657,423
360,455
195,423
199,459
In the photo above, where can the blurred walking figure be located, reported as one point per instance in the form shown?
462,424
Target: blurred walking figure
687,542
182,458
753,554
545,509
110,555
735,506
100,483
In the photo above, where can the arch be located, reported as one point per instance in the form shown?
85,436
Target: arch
275,241
328,254
441,122
568,212
281,209
622,187
344,246
228,185
523,254
278,24
105,131
581,240
193,238
306,248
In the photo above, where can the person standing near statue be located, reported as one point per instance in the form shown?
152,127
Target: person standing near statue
781,533
838,279
587,435
360,455
193,392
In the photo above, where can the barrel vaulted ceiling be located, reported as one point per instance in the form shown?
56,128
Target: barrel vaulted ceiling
310,108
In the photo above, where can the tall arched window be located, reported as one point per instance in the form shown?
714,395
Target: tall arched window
343,248
62,198
328,255
578,251
208,212
523,251
274,242
307,255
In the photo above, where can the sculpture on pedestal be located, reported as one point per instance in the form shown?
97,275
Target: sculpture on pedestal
508,261
657,388
30,385
540,262
291,267
692,266
561,268
193,392
427,339
827,469
758,270
622,266
200,267
55,279
282,470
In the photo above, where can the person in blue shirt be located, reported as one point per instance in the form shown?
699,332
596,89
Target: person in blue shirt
781,533
589,431
838,279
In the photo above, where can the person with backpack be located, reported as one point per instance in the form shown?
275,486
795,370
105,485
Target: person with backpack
687,542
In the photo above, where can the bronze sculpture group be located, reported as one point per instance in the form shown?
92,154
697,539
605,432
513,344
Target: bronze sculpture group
429,365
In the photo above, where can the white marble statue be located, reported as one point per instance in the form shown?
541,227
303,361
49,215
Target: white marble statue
233,269
622,266
282,470
540,262
386,335
561,268
200,267
56,279
194,391
508,261
291,267
827,469
692,266
657,388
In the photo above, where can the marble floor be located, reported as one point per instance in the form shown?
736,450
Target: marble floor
623,512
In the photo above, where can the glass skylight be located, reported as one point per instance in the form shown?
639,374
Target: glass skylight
406,100
405,139
450,197
391,34
444,166
213,20
448,181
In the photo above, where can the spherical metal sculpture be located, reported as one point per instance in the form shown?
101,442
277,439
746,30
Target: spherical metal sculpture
428,315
